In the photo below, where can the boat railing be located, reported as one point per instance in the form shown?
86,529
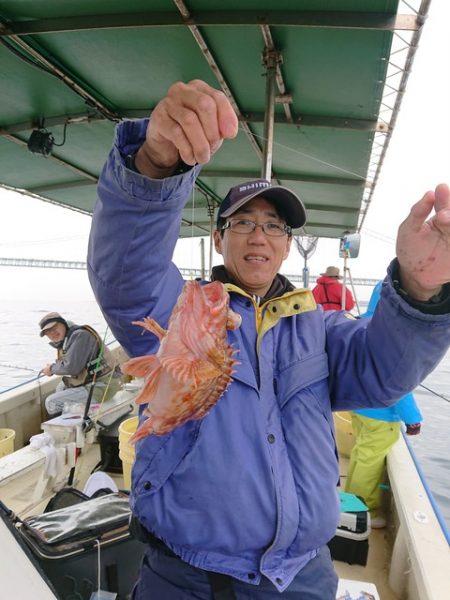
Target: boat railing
435,506
22,406
420,563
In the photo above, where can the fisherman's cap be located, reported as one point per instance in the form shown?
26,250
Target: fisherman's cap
290,204
49,321
332,272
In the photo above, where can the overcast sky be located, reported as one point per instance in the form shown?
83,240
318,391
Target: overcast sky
418,159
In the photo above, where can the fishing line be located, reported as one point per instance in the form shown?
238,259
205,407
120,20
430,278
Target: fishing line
192,222
192,179
310,156
379,236
116,364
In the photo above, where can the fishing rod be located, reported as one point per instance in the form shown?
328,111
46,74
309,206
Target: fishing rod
435,393
8,366
87,424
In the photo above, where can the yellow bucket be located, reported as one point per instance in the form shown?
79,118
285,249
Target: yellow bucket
126,450
6,441
344,432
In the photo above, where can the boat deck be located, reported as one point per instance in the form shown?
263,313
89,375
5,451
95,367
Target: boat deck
380,543
380,547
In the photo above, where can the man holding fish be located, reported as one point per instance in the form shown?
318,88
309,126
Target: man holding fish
239,500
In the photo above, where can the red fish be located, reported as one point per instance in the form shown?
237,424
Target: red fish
194,363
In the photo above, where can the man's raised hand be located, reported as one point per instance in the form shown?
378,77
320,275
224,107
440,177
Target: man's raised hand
423,245
190,124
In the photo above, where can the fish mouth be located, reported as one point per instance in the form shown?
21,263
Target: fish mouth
215,295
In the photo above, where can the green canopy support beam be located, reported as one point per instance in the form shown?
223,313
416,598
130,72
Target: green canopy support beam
287,18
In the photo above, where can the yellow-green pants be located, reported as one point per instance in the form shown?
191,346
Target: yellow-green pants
373,440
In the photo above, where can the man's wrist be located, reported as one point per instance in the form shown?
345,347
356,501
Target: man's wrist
155,171
437,304
146,165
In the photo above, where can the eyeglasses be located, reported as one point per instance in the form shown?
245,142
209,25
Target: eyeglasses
245,226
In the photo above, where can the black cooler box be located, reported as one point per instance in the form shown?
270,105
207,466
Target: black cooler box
351,542
69,544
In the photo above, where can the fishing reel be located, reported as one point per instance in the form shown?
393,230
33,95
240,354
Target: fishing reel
87,425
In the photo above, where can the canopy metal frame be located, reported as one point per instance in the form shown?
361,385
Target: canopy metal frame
32,42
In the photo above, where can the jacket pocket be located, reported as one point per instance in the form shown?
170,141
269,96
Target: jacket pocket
157,457
300,375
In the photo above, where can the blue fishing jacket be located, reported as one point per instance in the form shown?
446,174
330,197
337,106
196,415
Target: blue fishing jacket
250,489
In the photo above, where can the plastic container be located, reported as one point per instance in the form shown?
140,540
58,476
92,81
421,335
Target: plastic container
63,429
7,441
126,450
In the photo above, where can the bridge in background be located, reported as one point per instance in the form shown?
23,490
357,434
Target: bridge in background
187,273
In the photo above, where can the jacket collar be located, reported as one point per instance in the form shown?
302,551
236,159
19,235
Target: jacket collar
280,285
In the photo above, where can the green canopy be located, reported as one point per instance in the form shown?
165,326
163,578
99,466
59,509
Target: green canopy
73,69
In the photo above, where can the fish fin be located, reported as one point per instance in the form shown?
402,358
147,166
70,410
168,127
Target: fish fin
178,367
151,325
154,426
150,388
141,366
234,319
185,370
218,388
146,428
223,357
203,370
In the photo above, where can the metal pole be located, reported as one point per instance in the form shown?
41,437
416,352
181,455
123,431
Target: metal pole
202,258
305,274
343,284
270,60
354,292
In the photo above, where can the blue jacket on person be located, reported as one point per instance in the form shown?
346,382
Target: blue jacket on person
405,409
250,489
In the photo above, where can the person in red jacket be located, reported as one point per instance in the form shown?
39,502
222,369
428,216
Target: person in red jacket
328,291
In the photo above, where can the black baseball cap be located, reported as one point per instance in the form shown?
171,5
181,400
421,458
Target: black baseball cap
291,205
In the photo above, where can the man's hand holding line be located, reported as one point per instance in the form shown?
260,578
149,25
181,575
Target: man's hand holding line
190,124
